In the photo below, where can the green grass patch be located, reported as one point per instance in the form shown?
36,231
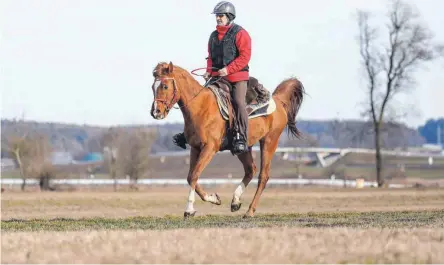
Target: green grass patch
311,219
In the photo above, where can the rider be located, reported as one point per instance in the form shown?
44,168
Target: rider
229,49
229,52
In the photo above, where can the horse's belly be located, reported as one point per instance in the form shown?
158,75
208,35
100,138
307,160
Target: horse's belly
257,129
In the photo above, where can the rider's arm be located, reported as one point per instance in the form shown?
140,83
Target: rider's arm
243,43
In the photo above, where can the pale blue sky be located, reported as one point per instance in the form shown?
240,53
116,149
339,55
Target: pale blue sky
59,59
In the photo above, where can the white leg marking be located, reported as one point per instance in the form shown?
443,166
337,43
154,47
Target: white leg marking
238,193
210,198
190,203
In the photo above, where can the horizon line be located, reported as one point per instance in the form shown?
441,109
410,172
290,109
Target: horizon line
181,122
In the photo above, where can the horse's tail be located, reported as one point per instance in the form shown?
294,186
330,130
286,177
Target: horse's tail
291,93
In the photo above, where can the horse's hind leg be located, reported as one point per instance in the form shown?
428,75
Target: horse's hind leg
268,147
250,169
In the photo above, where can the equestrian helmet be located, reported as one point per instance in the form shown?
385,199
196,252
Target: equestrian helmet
225,7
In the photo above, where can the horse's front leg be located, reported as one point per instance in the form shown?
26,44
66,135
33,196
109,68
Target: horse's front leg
199,159
213,198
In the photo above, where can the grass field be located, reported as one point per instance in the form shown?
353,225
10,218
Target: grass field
304,225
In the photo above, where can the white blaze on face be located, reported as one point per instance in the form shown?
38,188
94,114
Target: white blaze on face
190,203
238,193
155,86
155,108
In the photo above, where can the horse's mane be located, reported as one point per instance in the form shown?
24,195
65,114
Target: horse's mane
183,76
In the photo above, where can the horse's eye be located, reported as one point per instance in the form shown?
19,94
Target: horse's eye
164,86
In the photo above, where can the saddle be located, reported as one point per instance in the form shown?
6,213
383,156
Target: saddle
259,102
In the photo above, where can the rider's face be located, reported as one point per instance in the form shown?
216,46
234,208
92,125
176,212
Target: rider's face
221,19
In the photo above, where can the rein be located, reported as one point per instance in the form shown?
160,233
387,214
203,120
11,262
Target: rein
170,105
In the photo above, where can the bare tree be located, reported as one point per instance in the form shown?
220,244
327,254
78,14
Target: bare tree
16,147
110,143
40,164
31,153
390,64
134,153
127,152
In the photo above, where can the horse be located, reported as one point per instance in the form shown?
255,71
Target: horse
205,129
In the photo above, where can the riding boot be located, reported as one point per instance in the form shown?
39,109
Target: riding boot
240,139
180,140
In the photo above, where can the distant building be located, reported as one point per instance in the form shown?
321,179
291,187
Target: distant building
61,158
92,157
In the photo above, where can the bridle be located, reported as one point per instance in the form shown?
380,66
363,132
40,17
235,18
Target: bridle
170,105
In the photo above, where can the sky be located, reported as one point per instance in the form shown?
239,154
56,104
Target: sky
87,61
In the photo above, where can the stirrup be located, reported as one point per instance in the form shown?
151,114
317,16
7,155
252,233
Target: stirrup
239,147
180,140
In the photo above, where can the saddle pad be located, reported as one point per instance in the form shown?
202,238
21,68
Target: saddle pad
223,106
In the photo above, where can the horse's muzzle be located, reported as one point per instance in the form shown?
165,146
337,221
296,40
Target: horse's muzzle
158,114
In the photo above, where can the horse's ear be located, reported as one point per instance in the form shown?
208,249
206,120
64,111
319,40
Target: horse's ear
170,68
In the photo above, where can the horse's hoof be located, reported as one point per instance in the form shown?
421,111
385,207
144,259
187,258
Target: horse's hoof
235,207
218,202
189,214
248,215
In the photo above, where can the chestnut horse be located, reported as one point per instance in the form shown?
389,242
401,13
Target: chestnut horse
205,128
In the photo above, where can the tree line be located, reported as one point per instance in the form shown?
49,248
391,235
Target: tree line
126,153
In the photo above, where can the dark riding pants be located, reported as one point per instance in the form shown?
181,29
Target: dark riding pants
239,105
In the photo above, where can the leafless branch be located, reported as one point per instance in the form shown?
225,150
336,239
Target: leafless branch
390,68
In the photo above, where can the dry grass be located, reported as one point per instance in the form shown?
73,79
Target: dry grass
306,226
256,245
171,201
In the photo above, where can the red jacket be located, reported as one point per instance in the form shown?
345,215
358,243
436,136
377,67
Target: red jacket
243,43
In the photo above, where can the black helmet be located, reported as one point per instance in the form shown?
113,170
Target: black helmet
225,7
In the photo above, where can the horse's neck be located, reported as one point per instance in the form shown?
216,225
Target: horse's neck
193,101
